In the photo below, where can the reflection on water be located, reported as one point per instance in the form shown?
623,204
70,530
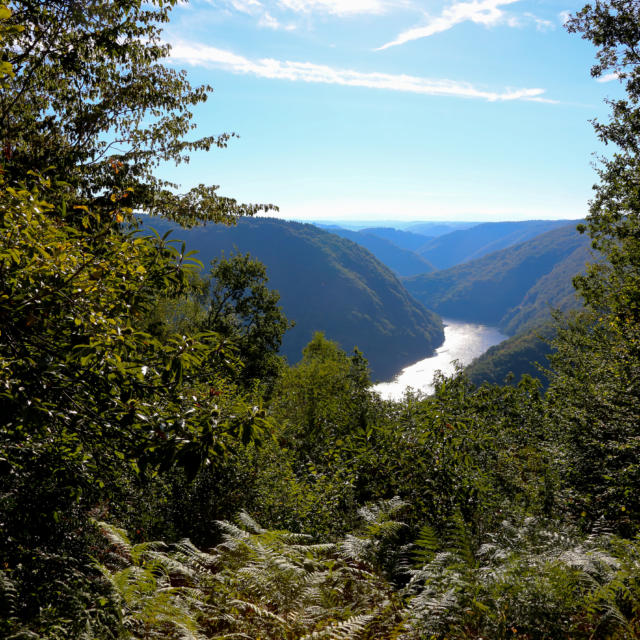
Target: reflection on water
463,341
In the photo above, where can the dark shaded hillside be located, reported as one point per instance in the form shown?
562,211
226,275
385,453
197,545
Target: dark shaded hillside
518,356
329,284
487,289
554,290
403,239
469,244
402,261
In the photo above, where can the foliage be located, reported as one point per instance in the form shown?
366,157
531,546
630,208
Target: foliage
88,399
244,309
90,96
328,284
533,581
527,278
255,583
597,388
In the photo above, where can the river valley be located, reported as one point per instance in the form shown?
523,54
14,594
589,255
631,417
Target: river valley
463,341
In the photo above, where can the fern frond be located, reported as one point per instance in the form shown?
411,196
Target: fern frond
426,545
350,629
249,523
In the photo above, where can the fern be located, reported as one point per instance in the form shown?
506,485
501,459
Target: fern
425,546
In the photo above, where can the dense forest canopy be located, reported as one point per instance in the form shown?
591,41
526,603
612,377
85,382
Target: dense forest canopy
163,474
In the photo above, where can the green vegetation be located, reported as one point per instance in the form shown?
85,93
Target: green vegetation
328,284
402,261
164,474
526,353
514,287
464,245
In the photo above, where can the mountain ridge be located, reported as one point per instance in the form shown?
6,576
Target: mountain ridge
329,284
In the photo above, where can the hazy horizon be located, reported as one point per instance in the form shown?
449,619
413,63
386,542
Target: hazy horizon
403,109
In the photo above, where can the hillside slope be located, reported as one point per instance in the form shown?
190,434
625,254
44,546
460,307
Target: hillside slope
465,245
403,261
403,239
519,355
491,289
329,284
554,290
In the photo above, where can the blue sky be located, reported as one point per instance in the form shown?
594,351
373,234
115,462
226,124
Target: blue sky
394,109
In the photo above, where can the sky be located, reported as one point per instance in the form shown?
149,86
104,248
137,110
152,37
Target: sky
393,109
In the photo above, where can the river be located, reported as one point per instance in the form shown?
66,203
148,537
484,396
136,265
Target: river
463,341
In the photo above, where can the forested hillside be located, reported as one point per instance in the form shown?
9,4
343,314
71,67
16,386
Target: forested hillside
403,239
403,262
164,474
464,245
526,353
511,288
327,284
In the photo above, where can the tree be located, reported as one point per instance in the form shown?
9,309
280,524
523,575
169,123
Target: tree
89,401
243,309
324,397
91,97
596,388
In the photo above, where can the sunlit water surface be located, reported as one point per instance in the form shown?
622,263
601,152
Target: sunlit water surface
463,341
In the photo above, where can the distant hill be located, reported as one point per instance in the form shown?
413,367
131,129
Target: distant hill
403,261
436,228
554,290
330,284
510,287
518,356
403,239
469,244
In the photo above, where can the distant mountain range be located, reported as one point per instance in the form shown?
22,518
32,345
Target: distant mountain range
469,244
403,239
329,284
512,288
336,281
403,262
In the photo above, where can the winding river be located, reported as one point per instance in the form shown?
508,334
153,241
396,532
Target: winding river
463,341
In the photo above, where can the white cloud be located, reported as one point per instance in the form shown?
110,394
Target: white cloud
485,12
203,55
609,77
564,16
257,9
246,6
541,23
269,22
341,7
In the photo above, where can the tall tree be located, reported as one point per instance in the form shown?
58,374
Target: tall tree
88,400
243,309
597,383
91,97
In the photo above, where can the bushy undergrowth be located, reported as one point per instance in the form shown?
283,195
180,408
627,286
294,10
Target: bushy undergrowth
135,392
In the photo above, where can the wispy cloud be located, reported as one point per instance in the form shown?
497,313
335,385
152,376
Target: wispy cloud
609,77
338,7
203,55
541,23
485,12
258,10
564,16
246,6
268,21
